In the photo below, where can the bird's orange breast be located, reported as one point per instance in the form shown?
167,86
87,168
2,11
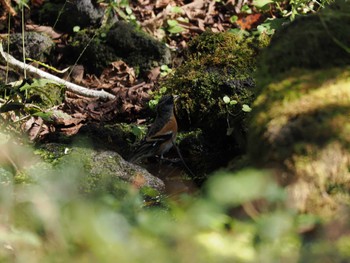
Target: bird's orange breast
170,126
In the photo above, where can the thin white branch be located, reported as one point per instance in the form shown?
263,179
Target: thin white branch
14,63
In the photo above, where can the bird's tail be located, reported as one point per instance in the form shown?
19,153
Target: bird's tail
144,150
182,160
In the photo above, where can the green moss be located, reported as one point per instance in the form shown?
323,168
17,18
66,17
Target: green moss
137,48
121,41
303,128
314,41
52,152
65,15
218,65
96,54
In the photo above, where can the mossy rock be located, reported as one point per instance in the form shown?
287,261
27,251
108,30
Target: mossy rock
97,48
99,171
137,48
90,47
38,46
300,126
65,15
313,41
107,172
218,65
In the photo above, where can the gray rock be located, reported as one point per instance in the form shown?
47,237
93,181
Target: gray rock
67,14
111,164
99,170
37,45
137,48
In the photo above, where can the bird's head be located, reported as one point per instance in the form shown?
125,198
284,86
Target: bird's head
167,102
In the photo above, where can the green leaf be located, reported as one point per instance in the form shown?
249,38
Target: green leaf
226,99
231,189
121,13
52,115
176,29
153,103
233,102
261,3
128,10
38,83
246,108
137,130
233,19
46,116
76,29
246,9
274,23
176,10
164,67
162,90
172,23
124,3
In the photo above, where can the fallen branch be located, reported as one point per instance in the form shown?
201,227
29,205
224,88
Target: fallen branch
14,63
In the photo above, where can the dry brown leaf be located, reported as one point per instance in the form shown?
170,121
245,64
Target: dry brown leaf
71,130
7,6
153,74
119,71
77,74
35,128
43,29
37,2
162,3
201,24
248,21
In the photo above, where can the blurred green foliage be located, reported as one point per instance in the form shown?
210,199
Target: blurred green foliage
238,217
290,9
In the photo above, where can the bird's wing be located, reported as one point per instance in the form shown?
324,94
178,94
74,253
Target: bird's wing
150,146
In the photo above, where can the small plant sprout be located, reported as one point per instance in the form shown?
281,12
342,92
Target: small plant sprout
246,108
165,70
154,102
174,27
76,29
233,19
246,9
138,130
227,100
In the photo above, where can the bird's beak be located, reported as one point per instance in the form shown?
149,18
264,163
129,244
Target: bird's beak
176,97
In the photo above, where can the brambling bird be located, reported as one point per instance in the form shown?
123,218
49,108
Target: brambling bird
161,136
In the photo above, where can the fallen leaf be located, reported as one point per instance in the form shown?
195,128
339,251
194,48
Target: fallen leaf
248,21
43,29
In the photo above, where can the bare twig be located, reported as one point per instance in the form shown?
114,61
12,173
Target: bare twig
14,63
